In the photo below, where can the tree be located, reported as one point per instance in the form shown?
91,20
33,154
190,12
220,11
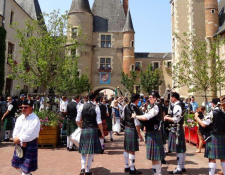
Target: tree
129,81
200,67
2,58
45,61
150,79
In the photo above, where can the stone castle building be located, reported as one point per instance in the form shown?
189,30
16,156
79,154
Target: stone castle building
205,18
108,48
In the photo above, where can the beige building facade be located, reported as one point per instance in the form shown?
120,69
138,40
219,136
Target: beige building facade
199,17
15,11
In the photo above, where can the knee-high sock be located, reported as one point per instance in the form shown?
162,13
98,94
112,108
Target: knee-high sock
179,161
184,158
156,169
7,133
160,169
90,158
132,160
71,144
111,134
126,157
212,168
83,160
68,141
223,166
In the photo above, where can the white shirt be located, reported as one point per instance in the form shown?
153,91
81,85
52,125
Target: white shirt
10,106
177,112
97,110
152,112
63,106
136,121
208,119
27,128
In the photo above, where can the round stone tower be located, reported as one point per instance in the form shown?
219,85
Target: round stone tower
128,45
211,17
80,17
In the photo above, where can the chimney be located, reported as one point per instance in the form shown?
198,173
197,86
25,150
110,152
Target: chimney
125,6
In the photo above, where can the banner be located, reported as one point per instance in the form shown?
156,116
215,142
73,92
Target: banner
105,78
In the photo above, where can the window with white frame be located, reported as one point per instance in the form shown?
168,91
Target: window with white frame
106,41
105,63
10,51
155,65
137,65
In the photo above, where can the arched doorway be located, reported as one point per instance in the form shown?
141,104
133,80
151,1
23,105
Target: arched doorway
105,91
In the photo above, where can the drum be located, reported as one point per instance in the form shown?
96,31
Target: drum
75,136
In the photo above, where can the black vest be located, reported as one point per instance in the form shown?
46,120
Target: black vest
72,110
13,111
218,125
181,122
128,110
154,123
103,110
89,116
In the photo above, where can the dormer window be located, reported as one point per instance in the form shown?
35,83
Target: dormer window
106,41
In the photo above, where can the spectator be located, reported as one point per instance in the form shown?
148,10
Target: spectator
194,104
208,105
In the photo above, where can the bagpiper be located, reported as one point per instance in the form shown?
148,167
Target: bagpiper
176,141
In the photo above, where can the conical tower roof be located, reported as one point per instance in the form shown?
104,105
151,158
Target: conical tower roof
128,27
80,6
32,8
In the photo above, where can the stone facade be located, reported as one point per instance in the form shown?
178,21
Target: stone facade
120,50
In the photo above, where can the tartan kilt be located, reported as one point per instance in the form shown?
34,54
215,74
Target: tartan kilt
181,146
215,148
29,162
89,142
71,126
109,123
131,140
154,146
8,125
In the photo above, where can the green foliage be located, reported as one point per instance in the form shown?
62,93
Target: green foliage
150,79
2,58
46,59
129,81
189,120
49,118
199,68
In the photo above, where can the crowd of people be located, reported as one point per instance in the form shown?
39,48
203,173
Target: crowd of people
161,121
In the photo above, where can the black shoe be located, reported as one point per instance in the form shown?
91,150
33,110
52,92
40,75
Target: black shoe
72,149
5,140
68,149
183,170
104,141
135,172
102,151
175,172
126,170
82,172
164,162
111,140
89,173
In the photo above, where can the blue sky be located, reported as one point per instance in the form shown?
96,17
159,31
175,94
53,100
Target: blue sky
151,19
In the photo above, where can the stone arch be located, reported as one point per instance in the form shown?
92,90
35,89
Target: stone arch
98,89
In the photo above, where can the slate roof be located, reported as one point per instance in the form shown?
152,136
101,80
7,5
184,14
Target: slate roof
128,27
31,7
80,6
147,55
109,16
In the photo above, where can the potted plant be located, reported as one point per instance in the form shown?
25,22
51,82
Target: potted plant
191,129
49,133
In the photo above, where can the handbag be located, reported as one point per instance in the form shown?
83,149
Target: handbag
75,136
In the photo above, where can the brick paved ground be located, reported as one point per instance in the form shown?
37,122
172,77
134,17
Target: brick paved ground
60,162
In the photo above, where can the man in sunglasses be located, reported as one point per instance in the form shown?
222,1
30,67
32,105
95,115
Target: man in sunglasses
7,118
25,134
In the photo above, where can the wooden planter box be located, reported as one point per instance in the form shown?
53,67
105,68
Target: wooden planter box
48,136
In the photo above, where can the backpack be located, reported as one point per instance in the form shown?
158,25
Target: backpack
218,122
